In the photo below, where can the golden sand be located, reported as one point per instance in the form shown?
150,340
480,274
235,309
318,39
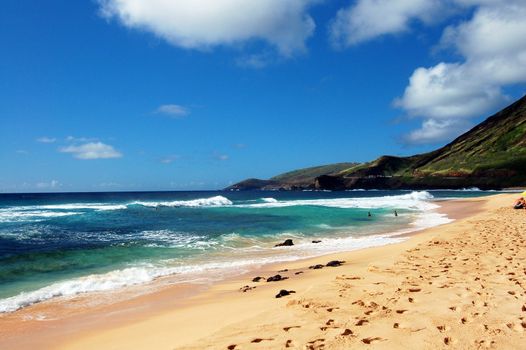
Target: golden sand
458,286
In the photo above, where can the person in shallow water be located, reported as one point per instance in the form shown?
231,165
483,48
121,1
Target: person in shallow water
520,203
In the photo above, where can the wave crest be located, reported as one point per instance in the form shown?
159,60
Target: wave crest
416,200
216,201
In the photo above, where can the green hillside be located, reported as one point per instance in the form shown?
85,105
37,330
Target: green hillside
308,175
491,155
496,145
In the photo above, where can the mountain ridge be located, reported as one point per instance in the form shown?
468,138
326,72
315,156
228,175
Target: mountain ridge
490,155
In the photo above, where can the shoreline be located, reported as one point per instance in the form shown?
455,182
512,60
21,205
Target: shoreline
154,304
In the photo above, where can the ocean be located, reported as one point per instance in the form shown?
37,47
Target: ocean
65,244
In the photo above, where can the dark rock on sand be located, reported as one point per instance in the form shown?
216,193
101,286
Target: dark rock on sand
316,241
276,278
283,293
335,263
285,270
298,273
257,279
245,289
316,267
286,243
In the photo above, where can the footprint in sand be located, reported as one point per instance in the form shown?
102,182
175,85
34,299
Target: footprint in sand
516,326
286,329
347,332
447,340
485,343
443,328
361,322
259,340
316,343
464,320
371,340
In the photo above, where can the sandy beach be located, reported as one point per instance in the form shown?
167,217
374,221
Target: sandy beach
460,285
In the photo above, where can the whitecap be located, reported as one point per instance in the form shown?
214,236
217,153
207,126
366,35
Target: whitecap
416,200
216,201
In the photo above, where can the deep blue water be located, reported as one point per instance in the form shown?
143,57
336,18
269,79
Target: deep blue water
80,242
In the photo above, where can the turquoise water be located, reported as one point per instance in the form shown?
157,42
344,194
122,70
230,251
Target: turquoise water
55,245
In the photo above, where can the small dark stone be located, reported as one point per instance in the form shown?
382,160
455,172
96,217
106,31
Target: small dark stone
316,241
335,263
286,243
316,267
283,293
245,289
285,270
276,278
299,272
257,279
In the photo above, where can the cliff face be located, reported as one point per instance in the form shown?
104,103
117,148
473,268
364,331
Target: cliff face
491,155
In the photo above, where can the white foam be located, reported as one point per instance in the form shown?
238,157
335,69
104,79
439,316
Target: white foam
237,262
466,189
173,239
430,219
216,201
417,200
269,200
125,277
30,215
77,206
255,252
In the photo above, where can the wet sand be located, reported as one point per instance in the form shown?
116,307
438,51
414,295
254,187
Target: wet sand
460,285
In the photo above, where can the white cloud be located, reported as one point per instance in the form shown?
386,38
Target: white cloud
173,111
92,150
202,24
433,131
493,49
369,19
449,90
45,139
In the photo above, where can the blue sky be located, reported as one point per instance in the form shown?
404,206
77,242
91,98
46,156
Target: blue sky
156,95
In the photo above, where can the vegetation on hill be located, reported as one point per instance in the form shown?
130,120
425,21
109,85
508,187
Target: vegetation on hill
491,155
308,175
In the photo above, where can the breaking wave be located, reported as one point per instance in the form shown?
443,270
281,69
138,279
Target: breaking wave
417,200
216,201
